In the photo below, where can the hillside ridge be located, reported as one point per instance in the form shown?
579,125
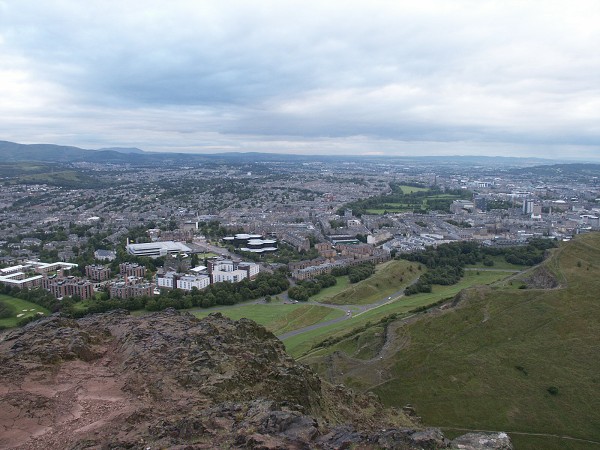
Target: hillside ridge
518,356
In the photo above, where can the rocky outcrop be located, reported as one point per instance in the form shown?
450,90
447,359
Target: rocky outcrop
478,441
169,380
541,278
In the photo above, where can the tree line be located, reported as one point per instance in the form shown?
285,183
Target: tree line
216,294
446,262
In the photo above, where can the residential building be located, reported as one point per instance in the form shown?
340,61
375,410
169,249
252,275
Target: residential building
97,272
167,280
224,270
187,282
22,276
172,280
132,270
131,288
62,287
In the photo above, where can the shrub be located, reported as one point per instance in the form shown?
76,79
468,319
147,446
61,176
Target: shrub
6,310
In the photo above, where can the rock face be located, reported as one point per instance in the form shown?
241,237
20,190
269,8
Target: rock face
541,278
476,441
169,380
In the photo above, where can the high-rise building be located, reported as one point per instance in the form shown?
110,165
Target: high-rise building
528,205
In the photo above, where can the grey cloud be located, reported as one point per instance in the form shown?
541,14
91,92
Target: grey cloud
234,73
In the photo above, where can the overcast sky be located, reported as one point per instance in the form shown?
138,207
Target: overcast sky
512,78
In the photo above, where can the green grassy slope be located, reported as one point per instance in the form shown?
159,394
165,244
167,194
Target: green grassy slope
300,346
388,278
489,363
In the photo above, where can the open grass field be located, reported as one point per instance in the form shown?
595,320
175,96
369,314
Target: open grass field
411,189
301,344
398,207
27,309
499,263
388,278
279,318
523,361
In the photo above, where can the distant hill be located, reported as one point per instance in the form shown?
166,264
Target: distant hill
14,152
572,172
122,149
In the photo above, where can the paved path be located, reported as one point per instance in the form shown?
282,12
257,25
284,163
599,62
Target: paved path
349,314
348,308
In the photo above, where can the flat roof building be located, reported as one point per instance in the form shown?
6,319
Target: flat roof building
157,249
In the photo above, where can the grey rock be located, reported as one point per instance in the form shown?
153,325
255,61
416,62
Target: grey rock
483,441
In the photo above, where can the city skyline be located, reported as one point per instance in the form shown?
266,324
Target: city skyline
388,78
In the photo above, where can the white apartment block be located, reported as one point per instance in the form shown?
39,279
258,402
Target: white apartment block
167,280
225,270
251,268
219,271
172,280
231,276
187,282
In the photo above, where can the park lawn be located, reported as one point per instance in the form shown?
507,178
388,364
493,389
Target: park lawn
300,345
388,279
410,189
19,305
499,263
278,318
342,283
